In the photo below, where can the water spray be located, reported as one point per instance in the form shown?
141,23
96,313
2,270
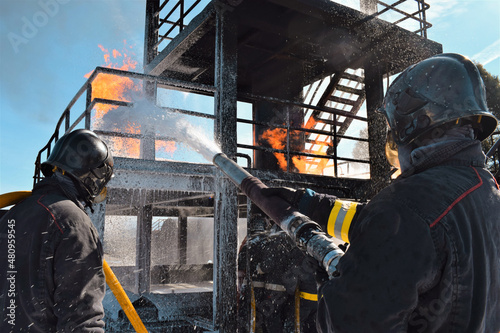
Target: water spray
306,233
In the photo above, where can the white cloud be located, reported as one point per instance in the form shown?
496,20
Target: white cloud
439,9
489,54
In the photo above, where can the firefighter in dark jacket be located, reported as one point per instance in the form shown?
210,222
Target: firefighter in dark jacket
53,280
424,252
278,293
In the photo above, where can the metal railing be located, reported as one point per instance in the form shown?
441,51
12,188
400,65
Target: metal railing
175,18
91,102
418,16
84,119
172,16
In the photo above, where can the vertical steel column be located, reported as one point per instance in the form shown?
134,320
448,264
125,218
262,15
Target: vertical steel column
226,201
98,218
182,239
147,151
150,39
148,139
151,30
143,247
87,105
368,6
377,126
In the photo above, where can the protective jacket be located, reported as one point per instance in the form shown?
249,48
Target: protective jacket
423,254
50,266
279,293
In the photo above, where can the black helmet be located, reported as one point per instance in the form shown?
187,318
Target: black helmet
85,157
446,88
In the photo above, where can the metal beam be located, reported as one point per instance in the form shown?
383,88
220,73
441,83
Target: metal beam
226,201
143,249
368,7
377,127
182,239
151,30
97,216
197,28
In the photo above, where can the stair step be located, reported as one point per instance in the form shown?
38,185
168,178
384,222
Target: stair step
353,77
350,90
329,122
343,100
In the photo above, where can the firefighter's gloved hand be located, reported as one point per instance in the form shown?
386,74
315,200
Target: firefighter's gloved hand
313,266
290,195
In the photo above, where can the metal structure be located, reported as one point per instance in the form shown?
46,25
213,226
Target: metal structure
306,68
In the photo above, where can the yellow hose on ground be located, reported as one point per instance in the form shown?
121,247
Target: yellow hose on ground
11,198
123,299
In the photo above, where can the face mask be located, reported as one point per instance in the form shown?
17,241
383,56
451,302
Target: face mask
101,196
391,151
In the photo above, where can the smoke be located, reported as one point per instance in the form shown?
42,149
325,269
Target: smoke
164,122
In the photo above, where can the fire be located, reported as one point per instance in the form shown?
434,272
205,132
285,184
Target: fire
277,139
120,88
131,147
113,87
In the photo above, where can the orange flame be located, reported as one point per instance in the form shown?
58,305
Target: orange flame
119,88
277,139
165,146
113,87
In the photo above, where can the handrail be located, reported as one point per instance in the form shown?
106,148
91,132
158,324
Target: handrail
184,86
422,7
90,103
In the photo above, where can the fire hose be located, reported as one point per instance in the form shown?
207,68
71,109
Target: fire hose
307,234
12,198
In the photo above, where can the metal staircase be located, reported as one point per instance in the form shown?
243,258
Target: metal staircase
343,97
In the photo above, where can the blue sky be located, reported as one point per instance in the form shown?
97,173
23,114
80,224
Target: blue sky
47,46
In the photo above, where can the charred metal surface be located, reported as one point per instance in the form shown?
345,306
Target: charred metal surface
377,128
177,187
143,248
317,37
170,310
161,175
162,274
226,200
368,6
182,238
341,187
174,55
151,30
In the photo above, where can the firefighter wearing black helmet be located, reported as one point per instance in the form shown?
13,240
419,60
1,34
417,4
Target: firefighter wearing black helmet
56,282
423,253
